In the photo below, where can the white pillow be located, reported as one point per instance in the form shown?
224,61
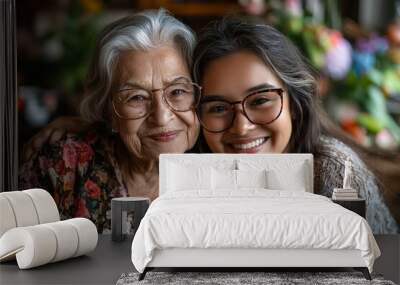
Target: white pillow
284,173
224,179
183,177
293,179
251,178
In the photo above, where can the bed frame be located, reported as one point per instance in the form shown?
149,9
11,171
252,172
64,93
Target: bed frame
248,259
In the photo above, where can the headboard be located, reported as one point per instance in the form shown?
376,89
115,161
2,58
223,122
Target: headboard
281,163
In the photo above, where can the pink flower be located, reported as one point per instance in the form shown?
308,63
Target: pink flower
93,190
81,210
338,58
70,156
85,153
293,7
253,7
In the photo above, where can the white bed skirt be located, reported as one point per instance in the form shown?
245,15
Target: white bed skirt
235,257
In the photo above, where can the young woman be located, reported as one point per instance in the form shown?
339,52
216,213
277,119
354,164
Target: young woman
259,96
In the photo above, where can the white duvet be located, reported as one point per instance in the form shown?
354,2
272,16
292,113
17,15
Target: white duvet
250,218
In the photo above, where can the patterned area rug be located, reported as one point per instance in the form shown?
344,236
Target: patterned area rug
230,278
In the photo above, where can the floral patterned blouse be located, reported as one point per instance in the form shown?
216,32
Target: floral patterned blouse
81,175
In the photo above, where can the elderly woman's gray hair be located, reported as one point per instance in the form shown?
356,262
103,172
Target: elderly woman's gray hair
142,31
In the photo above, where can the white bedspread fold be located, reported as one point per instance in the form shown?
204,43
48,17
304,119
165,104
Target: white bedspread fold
250,218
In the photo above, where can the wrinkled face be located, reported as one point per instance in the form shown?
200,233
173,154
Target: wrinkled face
232,78
162,130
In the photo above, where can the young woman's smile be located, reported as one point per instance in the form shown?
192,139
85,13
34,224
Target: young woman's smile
247,145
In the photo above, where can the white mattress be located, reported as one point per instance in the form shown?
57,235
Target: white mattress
251,218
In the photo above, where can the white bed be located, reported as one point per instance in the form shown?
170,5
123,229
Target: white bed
224,210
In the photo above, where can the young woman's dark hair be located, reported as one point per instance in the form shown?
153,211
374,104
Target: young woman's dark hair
230,35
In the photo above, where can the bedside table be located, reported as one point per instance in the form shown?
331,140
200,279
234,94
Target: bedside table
356,205
126,214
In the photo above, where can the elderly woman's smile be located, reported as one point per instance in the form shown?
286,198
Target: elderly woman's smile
153,117
164,136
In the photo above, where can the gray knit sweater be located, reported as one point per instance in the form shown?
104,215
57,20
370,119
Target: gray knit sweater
329,172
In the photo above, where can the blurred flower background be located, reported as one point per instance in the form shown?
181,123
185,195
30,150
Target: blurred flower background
359,68
359,82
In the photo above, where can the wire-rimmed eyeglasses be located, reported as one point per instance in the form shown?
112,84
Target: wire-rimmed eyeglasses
134,103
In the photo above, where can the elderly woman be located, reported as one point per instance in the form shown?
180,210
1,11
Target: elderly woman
140,102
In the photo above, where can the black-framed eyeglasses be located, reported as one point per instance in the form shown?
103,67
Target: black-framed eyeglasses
135,103
260,107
